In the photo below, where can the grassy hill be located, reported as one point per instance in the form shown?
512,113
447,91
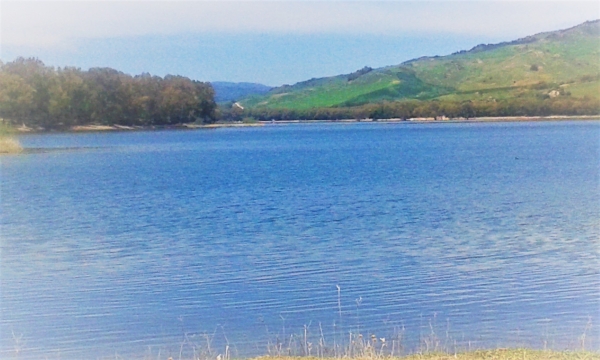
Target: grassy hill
558,63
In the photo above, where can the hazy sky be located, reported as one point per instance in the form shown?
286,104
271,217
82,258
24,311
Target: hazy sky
271,42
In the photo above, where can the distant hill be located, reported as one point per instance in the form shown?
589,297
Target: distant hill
229,91
551,64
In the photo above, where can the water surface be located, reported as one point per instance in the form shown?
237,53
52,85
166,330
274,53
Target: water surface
479,235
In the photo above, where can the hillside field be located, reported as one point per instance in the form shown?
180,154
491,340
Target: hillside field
562,63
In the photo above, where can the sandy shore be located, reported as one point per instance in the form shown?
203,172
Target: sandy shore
223,125
99,128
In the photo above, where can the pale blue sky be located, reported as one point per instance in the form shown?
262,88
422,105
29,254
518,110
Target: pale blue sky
270,42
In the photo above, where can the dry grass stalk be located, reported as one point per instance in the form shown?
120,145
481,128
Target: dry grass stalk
9,145
496,354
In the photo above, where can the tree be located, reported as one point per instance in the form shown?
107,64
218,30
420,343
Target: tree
16,98
466,110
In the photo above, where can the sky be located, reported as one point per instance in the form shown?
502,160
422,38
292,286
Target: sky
268,42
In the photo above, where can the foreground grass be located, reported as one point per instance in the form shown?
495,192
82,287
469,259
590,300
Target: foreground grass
498,354
9,145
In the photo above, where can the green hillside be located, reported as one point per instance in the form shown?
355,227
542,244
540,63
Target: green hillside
558,63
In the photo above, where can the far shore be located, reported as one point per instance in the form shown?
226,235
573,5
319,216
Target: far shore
111,128
448,120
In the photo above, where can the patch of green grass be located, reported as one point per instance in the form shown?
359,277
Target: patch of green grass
6,129
385,84
582,89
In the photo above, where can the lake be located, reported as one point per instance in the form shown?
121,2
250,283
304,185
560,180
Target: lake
450,236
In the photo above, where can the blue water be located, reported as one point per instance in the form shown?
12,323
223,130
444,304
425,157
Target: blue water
147,243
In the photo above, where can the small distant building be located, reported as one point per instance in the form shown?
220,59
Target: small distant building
554,93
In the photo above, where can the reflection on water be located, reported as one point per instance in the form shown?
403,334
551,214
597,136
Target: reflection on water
483,234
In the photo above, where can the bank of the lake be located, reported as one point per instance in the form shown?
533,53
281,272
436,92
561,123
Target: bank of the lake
193,126
445,120
116,128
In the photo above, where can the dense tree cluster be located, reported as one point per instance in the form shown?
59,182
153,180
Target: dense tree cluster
358,73
40,96
562,105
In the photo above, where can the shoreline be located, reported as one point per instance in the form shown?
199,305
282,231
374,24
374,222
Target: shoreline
449,120
122,128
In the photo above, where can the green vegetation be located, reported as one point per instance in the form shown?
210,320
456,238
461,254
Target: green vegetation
554,73
340,91
8,144
38,96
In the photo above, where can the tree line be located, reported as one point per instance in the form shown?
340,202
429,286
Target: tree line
407,109
36,95
40,96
